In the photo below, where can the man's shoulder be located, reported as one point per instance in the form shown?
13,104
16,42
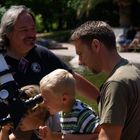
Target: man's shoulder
126,76
128,71
41,48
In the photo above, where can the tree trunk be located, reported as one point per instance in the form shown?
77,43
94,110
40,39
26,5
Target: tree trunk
125,13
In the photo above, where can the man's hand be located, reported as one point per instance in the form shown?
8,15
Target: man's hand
110,132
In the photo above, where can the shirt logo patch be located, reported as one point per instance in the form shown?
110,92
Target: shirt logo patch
36,67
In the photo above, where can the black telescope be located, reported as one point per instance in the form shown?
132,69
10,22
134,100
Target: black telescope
31,102
10,97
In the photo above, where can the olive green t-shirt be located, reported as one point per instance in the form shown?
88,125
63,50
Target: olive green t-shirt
120,100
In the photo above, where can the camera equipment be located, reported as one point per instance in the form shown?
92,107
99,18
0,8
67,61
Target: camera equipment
14,107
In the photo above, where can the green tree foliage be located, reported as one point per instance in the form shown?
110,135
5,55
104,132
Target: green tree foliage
84,6
2,10
67,14
39,23
96,10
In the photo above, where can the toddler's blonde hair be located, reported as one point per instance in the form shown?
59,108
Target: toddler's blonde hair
59,81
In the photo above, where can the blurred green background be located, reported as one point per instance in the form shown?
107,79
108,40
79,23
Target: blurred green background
60,15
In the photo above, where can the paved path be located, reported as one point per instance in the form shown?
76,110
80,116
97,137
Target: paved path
70,52
132,57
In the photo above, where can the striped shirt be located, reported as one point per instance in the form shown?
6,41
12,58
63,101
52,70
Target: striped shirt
81,119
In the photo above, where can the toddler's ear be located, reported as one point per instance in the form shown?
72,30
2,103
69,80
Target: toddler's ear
64,97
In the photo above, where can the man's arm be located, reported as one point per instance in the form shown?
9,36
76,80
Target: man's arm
86,88
110,132
81,137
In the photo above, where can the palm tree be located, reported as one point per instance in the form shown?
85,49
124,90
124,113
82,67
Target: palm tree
85,6
125,11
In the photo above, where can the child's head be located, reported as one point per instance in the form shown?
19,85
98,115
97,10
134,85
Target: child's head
58,90
37,115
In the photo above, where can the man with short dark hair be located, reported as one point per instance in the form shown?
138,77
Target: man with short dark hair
119,103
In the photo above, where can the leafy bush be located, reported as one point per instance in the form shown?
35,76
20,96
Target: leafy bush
39,23
2,11
97,80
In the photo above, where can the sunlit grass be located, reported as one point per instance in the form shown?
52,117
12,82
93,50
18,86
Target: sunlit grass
97,80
